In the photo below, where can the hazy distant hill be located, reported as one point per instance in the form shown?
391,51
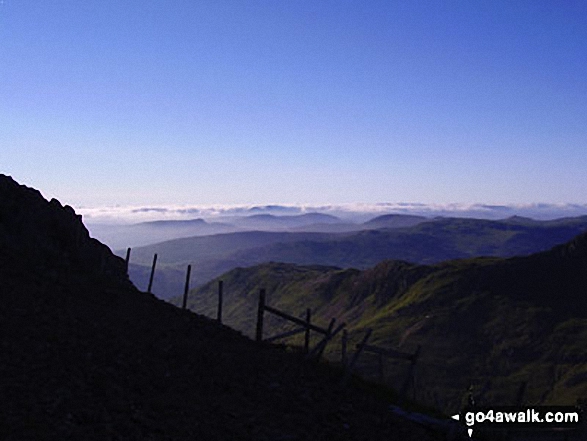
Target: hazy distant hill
427,242
209,256
340,227
145,233
394,221
490,321
216,246
380,222
270,222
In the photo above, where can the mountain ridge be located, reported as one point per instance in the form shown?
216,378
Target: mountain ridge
427,242
502,320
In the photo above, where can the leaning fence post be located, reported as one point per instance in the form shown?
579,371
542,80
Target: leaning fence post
307,336
186,287
327,338
260,310
220,289
331,325
127,260
152,273
319,348
360,346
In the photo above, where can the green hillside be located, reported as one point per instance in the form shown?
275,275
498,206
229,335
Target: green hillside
491,322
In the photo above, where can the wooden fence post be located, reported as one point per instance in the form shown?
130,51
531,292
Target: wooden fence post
521,392
127,260
320,348
331,325
220,293
307,336
410,377
260,311
186,287
152,273
344,341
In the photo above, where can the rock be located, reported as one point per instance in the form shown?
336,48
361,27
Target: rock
47,236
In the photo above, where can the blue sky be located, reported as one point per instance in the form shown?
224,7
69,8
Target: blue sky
319,102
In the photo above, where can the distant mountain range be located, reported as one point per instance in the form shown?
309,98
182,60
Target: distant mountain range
355,213
270,221
425,242
492,323
146,233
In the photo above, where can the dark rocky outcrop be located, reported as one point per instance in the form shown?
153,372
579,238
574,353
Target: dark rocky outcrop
48,237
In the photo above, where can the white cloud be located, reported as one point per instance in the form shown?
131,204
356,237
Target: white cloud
351,211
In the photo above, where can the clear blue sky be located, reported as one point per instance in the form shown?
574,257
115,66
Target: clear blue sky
154,102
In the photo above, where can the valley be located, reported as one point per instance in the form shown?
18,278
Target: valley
493,323
432,241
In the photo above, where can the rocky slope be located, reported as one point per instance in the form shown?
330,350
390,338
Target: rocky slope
84,355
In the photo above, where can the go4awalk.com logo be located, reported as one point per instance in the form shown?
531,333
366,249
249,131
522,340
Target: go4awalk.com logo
510,417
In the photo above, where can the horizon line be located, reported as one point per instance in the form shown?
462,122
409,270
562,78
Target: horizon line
151,212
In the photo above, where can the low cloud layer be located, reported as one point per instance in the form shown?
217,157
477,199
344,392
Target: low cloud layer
358,212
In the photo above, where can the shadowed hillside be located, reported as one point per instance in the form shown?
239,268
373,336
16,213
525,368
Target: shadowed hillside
491,322
85,355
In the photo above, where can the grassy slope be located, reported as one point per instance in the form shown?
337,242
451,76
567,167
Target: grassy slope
487,321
